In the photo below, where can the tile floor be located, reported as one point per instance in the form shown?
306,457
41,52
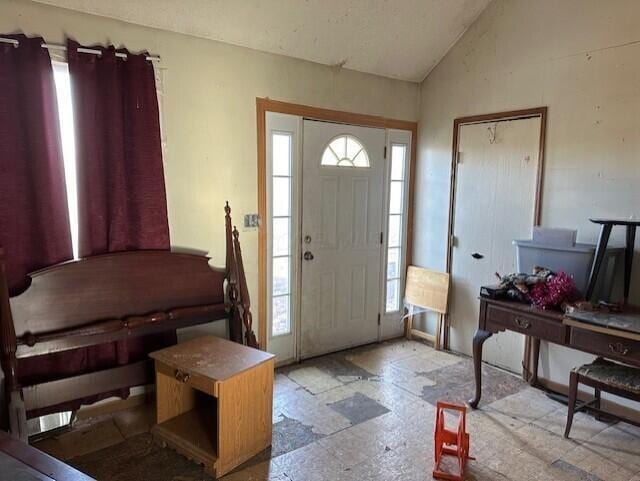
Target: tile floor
368,414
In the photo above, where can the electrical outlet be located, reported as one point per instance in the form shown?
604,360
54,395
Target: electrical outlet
251,221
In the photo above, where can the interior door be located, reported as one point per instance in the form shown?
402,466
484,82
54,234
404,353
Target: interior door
342,212
495,199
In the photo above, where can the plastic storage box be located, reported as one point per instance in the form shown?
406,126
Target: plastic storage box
575,261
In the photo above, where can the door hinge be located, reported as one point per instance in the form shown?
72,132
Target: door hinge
381,237
385,151
378,318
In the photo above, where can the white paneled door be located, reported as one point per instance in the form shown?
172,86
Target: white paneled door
495,198
342,217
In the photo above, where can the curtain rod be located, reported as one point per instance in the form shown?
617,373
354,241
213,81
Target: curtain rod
50,46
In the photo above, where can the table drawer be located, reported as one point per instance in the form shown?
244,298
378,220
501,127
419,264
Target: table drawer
548,330
613,347
188,378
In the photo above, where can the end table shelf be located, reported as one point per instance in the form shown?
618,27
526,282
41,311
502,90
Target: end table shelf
214,401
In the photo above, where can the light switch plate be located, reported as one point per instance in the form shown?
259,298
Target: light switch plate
251,221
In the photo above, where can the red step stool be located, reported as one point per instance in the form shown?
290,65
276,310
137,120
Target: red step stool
451,443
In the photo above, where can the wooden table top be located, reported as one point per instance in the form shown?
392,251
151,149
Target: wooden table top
212,357
633,222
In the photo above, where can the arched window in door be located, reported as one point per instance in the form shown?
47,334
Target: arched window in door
345,151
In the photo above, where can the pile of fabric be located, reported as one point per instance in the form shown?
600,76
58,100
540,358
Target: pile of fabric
543,288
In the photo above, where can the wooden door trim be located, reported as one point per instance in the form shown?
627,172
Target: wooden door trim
540,112
264,105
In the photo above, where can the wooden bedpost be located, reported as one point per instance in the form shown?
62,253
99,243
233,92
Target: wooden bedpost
245,301
8,345
235,322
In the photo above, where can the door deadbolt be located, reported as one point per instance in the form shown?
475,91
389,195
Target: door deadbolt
307,239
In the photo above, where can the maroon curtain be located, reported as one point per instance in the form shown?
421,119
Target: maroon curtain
121,191
34,220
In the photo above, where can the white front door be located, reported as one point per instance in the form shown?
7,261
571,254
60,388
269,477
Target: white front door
342,214
495,198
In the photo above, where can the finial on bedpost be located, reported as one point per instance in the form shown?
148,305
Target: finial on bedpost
245,301
235,323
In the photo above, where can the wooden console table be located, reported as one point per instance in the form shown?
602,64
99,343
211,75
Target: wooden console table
214,401
551,326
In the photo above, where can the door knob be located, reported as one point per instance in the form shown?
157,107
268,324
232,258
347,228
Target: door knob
308,256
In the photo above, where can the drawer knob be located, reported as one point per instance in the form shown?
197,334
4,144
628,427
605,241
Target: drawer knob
618,348
523,323
182,376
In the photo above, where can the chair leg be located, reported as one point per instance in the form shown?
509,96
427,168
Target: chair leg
573,395
438,343
596,404
408,323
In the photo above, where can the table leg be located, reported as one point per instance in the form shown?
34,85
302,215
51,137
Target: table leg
628,259
601,248
478,340
535,356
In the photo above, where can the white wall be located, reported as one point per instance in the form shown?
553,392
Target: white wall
210,118
581,58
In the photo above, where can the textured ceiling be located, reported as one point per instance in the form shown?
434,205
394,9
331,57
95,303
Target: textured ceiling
401,39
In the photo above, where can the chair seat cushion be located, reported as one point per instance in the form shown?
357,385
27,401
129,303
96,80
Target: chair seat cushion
613,374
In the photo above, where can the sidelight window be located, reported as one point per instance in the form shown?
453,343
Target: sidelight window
281,222
395,226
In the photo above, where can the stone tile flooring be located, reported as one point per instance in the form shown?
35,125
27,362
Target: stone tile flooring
367,415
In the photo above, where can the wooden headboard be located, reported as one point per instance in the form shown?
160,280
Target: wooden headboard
111,297
72,304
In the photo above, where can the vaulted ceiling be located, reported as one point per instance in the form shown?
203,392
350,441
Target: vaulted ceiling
402,39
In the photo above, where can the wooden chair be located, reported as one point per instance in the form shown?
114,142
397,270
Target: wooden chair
602,375
426,289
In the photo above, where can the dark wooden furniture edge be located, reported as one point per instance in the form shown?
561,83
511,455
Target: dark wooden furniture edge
41,462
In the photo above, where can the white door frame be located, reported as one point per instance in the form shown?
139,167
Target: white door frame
397,130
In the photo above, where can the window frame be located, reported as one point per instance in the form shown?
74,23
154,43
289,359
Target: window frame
396,138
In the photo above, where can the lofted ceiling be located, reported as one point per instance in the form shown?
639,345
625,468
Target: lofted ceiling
401,39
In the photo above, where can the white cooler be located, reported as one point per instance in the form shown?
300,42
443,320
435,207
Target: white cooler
574,260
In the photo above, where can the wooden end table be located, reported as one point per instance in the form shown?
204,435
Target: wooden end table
214,401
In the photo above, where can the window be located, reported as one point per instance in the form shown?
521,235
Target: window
395,226
345,151
65,117
281,221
